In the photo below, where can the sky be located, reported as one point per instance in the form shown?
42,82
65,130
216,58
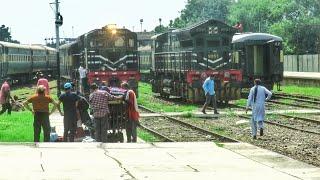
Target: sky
31,21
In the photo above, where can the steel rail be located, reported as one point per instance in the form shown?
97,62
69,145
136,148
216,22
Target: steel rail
216,135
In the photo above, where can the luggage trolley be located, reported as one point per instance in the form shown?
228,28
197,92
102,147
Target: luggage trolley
117,120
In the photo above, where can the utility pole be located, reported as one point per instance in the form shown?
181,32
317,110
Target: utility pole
58,23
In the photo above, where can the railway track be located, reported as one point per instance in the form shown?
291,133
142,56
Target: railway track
293,100
174,130
293,127
295,123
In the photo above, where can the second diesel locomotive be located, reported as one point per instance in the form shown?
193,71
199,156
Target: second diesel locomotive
184,58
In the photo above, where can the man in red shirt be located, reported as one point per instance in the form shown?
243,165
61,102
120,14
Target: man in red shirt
133,114
5,97
40,103
239,27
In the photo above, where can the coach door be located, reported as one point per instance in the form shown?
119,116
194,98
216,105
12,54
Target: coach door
3,63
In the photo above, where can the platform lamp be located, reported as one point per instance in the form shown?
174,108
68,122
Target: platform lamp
141,21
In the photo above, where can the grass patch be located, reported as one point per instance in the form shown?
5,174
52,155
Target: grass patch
306,91
219,144
17,127
187,115
146,136
218,129
147,99
241,102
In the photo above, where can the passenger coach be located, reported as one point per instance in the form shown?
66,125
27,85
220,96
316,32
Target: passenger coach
20,63
259,55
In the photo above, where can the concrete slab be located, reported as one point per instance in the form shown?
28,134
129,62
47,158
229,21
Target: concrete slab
200,160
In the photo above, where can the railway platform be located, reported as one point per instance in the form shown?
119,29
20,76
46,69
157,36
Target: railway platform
302,78
201,160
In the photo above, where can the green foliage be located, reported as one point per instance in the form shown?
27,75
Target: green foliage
160,29
307,91
147,99
297,22
187,115
146,136
17,127
5,34
198,10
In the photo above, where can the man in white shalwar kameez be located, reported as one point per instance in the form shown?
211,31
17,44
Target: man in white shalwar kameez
256,100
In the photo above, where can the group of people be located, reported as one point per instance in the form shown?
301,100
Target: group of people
75,108
256,101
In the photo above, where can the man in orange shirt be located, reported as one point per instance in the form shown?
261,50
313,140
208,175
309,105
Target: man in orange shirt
40,103
133,114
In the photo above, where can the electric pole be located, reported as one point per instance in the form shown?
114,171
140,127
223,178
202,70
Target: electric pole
58,23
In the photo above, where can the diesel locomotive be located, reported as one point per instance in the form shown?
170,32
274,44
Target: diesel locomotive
184,58
109,54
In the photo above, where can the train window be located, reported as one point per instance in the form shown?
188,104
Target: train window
131,43
119,42
188,43
235,57
213,55
213,43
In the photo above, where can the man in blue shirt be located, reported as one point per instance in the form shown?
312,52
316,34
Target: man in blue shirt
208,87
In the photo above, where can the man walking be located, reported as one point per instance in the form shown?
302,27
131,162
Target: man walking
40,103
99,103
5,98
208,87
133,114
256,100
71,114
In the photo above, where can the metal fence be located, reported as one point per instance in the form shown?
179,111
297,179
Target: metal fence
302,63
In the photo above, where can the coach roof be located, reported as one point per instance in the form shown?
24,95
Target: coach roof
255,37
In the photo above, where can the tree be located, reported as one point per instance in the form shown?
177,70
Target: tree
199,10
293,20
5,34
